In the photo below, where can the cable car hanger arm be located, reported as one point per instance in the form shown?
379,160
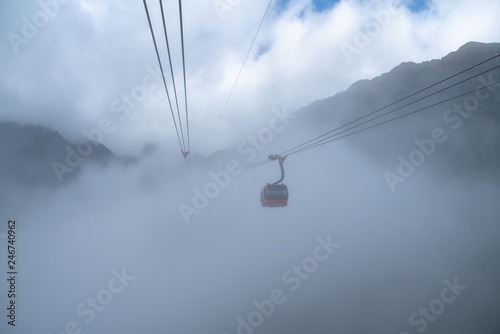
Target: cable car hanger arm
280,160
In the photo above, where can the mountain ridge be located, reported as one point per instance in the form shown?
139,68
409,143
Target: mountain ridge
475,142
31,155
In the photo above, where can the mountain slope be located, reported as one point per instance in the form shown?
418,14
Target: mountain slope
470,124
32,155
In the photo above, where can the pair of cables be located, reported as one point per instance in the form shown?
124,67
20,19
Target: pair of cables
365,122
185,143
184,139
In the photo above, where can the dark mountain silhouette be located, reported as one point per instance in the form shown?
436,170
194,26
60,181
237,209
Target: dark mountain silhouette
33,155
470,123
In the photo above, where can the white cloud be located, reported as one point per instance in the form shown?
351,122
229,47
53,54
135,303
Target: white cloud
90,53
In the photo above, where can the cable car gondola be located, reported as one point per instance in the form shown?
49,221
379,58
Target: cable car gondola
276,194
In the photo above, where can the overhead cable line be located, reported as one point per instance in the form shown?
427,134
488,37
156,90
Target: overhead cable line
241,69
172,74
315,142
289,152
325,141
392,119
256,164
184,74
393,103
162,73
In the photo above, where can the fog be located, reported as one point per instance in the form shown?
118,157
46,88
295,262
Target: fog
392,251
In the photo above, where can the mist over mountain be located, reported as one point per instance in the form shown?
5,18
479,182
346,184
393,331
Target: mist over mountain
128,245
471,122
33,155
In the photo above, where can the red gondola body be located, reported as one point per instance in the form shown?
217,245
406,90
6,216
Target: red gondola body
274,195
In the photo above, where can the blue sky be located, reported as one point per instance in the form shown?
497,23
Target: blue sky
324,4
418,5
319,4
415,5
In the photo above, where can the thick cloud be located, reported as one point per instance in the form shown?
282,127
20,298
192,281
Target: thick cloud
85,55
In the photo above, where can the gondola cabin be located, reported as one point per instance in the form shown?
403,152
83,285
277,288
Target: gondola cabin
274,195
